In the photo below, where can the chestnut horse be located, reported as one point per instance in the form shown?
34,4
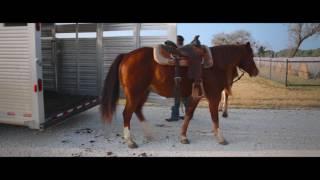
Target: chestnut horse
139,74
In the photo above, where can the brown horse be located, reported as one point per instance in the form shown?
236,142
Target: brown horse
139,74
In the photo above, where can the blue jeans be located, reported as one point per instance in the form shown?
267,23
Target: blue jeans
175,108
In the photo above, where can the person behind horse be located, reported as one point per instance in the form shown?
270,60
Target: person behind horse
175,113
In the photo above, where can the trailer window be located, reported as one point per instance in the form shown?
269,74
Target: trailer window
153,33
117,33
15,24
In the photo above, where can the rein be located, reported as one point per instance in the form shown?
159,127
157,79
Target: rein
239,77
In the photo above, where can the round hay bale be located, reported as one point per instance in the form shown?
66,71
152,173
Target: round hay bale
291,71
304,71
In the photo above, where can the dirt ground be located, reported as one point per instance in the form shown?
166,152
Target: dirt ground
250,133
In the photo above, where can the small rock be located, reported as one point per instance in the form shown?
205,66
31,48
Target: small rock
92,141
160,125
88,150
109,153
76,155
143,155
82,144
85,130
117,135
64,141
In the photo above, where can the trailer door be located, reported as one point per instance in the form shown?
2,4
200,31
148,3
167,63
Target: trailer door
20,85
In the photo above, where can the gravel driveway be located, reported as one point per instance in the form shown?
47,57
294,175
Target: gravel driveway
249,133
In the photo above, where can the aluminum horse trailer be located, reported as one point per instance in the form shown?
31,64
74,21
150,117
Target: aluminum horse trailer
45,79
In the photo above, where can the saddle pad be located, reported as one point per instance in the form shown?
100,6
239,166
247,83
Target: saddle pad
162,57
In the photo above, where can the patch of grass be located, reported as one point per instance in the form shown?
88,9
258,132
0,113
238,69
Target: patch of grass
261,93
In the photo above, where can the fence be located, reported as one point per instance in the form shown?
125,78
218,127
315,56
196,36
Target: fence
298,71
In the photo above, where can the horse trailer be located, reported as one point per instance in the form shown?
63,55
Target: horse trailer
50,72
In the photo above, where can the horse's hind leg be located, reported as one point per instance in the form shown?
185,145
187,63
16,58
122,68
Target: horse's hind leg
213,105
188,116
144,122
133,103
127,114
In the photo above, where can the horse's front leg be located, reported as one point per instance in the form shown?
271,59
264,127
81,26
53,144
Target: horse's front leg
221,104
213,105
188,116
225,104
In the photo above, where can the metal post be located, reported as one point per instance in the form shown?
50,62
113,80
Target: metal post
270,68
136,34
77,58
286,81
54,55
172,32
100,63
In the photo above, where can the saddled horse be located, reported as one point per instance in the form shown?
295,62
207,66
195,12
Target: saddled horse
139,74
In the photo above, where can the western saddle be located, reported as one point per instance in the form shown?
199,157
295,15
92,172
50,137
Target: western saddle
170,54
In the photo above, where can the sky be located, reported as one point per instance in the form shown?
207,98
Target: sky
274,35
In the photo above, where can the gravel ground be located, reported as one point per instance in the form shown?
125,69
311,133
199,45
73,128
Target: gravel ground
249,133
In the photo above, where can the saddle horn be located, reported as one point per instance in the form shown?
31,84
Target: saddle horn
196,41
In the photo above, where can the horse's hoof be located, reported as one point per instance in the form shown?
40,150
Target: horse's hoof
132,145
149,138
224,142
224,114
185,141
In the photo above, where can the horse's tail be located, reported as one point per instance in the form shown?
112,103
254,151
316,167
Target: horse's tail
110,93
